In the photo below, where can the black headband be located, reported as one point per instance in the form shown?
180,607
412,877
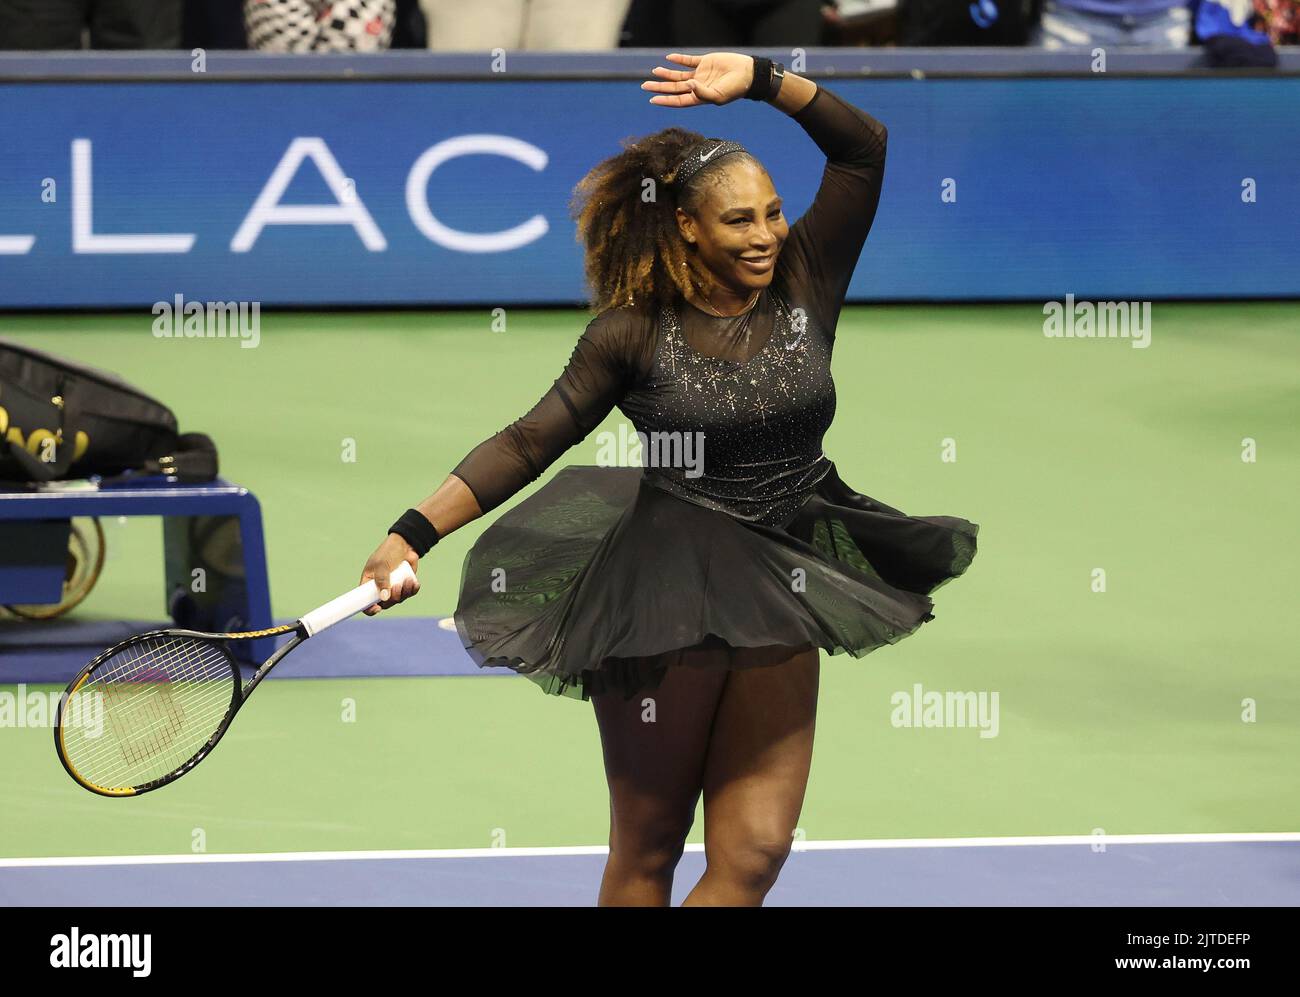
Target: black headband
703,154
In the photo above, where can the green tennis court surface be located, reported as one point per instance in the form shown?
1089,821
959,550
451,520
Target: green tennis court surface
1165,704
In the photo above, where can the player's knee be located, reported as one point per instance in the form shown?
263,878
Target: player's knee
651,848
753,861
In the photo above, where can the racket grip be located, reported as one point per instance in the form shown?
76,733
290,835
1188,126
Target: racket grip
350,603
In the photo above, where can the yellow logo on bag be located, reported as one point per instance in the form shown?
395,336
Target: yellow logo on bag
42,443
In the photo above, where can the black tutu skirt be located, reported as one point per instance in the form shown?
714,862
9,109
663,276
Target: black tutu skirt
586,583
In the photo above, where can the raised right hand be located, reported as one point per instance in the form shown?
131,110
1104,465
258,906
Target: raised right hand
387,556
716,78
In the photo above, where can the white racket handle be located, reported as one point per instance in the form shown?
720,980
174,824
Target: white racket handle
351,603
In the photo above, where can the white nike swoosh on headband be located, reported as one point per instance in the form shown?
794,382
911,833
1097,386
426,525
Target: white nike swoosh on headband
704,158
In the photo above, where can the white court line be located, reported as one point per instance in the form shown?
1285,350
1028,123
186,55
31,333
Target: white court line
477,853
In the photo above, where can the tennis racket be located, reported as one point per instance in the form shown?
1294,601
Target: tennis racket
149,709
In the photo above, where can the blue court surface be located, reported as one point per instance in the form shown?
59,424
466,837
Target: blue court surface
56,650
1247,870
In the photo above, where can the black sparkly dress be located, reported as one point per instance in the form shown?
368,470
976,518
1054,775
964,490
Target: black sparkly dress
737,527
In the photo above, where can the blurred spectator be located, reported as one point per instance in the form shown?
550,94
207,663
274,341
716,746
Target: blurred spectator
1238,32
42,25
1228,17
927,23
409,30
1280,20
1257,22
870,23
1151,23
481,25
747,23
214,24
320,25
646,26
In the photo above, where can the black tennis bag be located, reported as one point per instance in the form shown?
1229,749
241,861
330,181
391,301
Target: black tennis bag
61,419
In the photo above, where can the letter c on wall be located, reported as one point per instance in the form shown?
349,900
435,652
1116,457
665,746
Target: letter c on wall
417,202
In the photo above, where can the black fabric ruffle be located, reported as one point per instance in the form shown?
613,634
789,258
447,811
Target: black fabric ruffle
585,585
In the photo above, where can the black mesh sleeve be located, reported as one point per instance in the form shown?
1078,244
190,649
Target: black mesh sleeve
824,244
609,358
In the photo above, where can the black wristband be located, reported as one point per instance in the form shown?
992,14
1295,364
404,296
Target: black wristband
761,86
416,530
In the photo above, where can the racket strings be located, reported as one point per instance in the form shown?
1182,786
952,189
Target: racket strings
157,706
138,705
148,709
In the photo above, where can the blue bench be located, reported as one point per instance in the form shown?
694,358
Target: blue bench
215,527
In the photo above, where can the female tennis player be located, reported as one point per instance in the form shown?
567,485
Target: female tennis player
688,598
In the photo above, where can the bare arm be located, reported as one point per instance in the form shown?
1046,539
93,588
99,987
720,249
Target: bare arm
719,78
451,506
823,248
796,93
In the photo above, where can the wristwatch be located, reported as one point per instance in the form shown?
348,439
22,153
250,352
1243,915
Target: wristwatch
778,77
768,77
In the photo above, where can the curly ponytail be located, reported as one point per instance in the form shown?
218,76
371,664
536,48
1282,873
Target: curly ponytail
633,252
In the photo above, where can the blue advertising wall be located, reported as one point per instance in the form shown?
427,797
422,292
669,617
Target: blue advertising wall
1105,188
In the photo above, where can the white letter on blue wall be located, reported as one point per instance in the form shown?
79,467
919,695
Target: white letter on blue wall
84,239
417,201
347,209
16,245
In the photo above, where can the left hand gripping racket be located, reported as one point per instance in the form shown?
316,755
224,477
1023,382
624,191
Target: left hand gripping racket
149,709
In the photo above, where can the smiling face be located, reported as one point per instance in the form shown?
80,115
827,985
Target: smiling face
737,227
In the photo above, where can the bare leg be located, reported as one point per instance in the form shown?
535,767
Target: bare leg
756,775
654,747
